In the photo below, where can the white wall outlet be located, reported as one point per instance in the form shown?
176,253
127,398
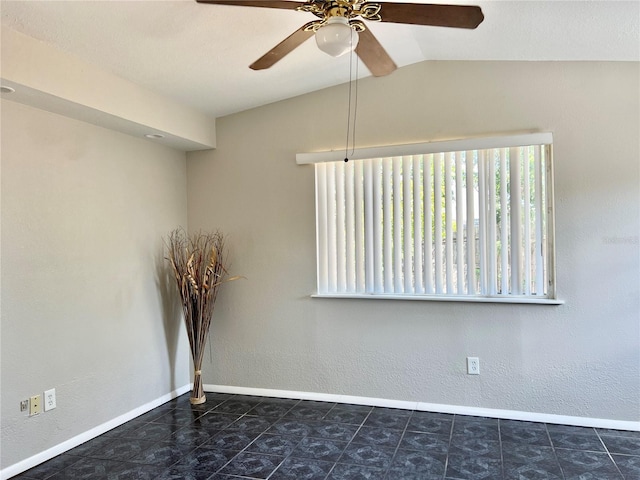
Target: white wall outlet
24,405
49,399
35,405
473,365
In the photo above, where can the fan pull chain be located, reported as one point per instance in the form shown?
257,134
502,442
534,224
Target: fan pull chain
355,106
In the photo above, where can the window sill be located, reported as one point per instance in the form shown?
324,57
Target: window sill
446,298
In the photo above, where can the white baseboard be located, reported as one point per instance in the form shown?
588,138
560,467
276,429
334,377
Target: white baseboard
67,445
432,407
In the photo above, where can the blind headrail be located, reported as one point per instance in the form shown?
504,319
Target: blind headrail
478,143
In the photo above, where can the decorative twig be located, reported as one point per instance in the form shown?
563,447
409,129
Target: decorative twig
199,266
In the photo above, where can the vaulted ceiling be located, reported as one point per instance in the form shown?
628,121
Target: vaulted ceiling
199,54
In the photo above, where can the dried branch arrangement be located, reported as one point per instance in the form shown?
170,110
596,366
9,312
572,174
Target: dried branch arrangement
199,266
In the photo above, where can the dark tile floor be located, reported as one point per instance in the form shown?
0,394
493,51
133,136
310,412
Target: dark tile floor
233,437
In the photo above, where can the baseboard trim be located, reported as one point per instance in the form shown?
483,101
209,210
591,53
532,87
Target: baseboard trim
67,445
431,407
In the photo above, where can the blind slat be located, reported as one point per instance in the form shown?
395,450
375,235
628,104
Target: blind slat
418,231
539,256
471,224
407,224
340,231
388,176
460,222
528,206
350,227
428,219
396,266
437,217
504,224
368,228
331,228
492,224
483,227
359,203
449,209
515,218
321,228
378,218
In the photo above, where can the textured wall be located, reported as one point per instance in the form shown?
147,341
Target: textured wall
84,211
581,358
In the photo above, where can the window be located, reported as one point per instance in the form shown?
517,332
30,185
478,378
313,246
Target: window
467,220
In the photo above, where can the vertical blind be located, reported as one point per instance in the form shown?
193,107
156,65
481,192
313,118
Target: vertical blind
465,223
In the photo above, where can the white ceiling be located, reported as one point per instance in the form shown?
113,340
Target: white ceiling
199,54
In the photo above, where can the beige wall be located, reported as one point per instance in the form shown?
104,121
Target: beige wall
578,359
84,211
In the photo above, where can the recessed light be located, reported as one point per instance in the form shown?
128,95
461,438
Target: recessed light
5,89
154,135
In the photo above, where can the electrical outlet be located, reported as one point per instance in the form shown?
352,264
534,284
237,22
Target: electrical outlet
24,405
49,399
35,405
473,365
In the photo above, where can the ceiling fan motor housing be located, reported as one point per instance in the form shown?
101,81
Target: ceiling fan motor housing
337,9
343,8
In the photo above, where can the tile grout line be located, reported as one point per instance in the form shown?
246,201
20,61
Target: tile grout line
393,457
606,449
349,442
502,470
446,461
555,452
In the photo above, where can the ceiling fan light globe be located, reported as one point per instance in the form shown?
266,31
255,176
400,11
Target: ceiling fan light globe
336,37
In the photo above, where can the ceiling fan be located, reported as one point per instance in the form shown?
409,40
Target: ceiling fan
339,30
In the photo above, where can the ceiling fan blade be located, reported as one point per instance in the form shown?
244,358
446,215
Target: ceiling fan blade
284,4
458,16
373,55
285,47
